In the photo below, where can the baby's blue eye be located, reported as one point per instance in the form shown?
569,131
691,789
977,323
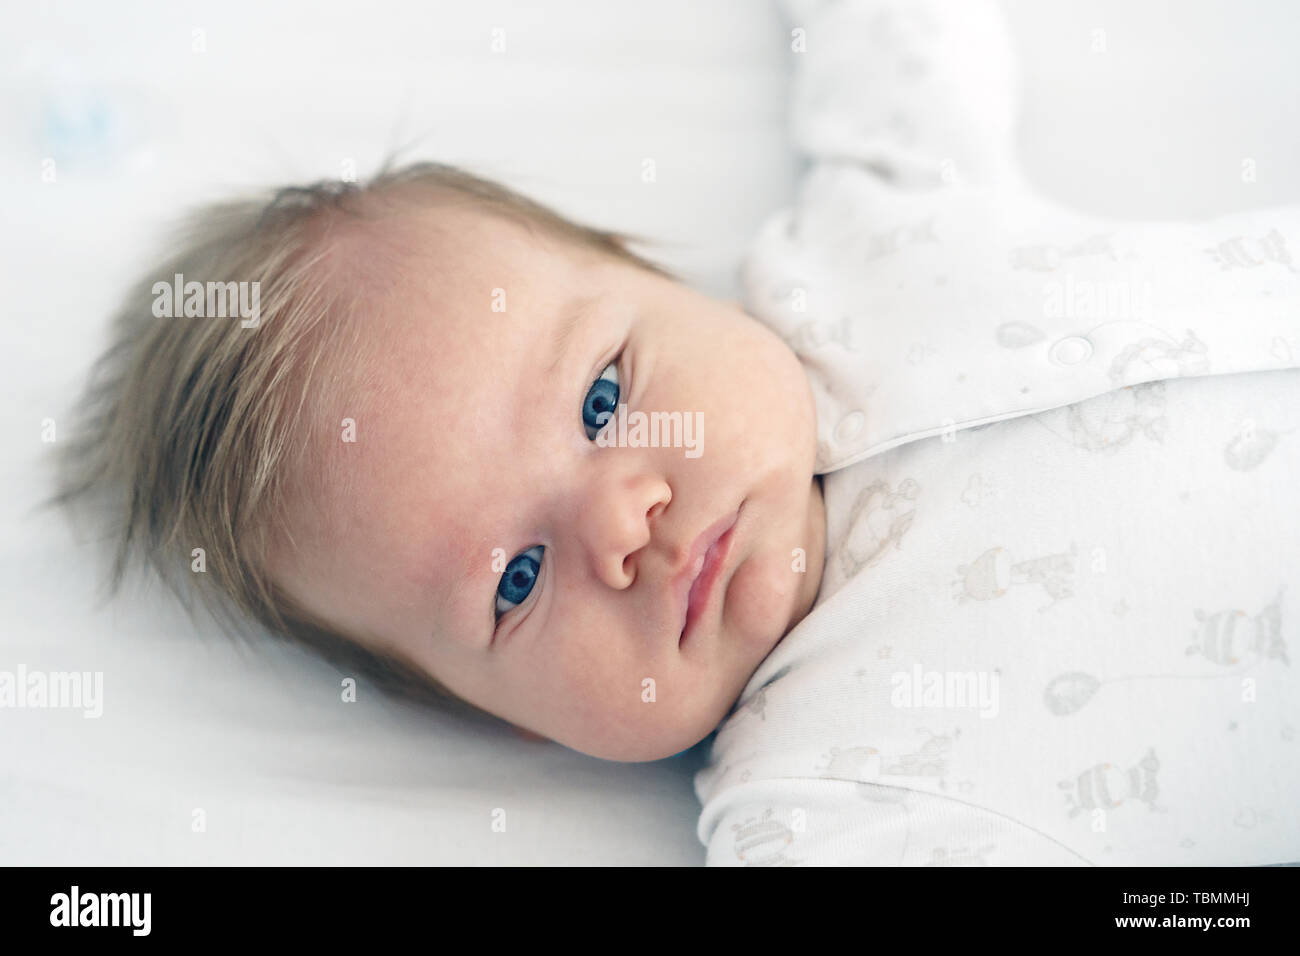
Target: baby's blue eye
601,401
520,576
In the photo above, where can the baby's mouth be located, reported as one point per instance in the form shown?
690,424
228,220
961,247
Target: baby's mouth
709,560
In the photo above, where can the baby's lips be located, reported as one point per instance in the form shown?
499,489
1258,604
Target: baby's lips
707,566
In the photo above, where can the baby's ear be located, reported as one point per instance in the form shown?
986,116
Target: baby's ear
529,735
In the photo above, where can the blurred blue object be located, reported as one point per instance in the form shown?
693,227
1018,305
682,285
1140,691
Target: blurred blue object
80,127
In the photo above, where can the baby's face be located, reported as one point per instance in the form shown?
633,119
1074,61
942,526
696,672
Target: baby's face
477,528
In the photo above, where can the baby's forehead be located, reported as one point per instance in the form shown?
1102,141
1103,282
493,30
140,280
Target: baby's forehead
442,284
414,409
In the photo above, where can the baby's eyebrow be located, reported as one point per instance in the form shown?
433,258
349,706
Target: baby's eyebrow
574,312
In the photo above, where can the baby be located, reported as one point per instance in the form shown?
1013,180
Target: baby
402,460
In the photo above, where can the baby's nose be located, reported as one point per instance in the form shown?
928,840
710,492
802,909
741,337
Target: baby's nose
619,524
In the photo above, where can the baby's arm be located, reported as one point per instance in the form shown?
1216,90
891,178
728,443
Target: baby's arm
923,92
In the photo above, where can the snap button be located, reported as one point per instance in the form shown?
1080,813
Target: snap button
1071,350
849,426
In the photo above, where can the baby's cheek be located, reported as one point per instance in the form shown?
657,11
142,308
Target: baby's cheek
760,599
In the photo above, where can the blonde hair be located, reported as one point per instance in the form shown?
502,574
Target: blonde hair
190,429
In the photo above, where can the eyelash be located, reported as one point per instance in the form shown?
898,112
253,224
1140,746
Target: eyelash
534,555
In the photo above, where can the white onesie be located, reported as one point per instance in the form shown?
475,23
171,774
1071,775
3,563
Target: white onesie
1061,459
